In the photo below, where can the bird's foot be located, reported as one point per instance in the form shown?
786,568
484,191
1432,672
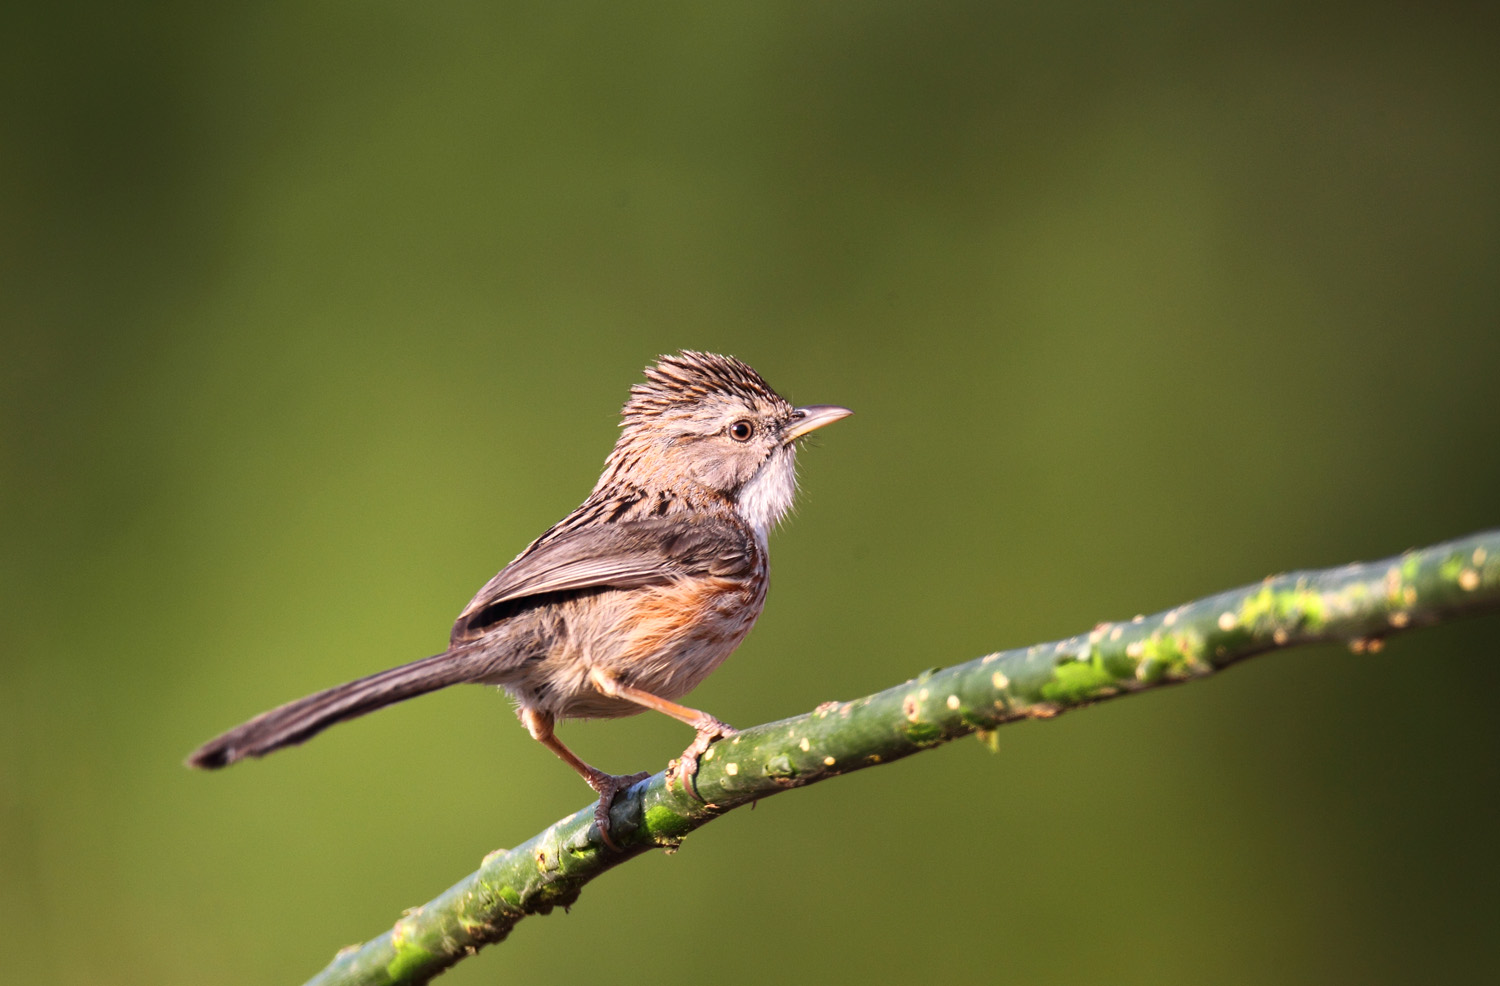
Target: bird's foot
609,785
685,767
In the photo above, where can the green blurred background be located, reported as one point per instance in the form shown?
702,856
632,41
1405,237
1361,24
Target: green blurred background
315,313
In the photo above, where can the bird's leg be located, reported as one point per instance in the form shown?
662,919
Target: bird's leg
707,727
539,724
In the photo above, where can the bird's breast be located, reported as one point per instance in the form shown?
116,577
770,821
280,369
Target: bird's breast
674,635
663,639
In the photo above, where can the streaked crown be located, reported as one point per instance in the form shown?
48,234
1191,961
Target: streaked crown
679,385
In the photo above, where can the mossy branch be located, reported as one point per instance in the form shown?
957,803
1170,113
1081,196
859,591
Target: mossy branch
1357,604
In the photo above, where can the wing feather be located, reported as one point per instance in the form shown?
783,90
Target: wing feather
627,554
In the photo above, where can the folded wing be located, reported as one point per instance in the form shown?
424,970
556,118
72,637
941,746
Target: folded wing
622,555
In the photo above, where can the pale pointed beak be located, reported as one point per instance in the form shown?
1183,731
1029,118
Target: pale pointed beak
811,418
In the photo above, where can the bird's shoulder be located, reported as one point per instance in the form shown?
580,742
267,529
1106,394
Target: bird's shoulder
623,539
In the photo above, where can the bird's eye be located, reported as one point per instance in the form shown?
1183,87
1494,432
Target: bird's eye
741,430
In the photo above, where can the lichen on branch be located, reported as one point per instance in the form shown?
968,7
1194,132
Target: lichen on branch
1359,604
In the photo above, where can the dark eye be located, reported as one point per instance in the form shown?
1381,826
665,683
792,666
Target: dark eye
741,430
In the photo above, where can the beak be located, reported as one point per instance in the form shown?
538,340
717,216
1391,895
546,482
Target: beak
811,418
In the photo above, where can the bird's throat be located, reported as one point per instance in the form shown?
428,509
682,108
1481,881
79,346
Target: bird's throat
766,498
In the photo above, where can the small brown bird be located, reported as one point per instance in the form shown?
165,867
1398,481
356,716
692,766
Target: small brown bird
628,602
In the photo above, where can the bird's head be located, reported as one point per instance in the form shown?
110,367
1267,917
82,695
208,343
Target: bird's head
713,423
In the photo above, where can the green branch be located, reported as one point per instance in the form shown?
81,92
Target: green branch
1358,604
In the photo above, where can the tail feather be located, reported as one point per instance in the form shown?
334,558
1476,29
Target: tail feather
300,720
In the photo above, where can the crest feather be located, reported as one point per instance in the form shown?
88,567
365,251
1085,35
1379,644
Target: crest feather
691,375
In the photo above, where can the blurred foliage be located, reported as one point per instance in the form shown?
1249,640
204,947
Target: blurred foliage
314,314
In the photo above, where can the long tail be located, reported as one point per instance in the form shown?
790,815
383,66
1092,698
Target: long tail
300,720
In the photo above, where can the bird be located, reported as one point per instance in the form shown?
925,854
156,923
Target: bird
628,602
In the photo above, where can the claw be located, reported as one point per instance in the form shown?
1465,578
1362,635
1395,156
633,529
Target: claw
608,786
685,767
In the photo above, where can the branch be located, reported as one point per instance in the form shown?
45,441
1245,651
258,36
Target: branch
1359,604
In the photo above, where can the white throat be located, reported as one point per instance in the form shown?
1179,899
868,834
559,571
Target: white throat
766,498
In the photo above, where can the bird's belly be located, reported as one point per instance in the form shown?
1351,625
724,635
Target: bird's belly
663,640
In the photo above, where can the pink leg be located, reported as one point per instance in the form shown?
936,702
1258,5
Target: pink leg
539,724
707,727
